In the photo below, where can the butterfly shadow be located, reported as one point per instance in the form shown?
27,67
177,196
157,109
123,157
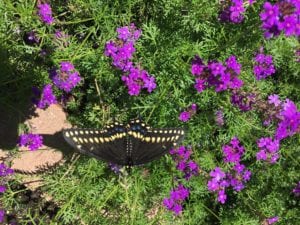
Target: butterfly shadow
57,142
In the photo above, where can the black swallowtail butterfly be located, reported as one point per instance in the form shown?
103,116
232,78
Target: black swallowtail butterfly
124,145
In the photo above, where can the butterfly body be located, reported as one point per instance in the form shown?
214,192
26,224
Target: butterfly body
124,145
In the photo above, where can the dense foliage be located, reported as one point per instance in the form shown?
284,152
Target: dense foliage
227,71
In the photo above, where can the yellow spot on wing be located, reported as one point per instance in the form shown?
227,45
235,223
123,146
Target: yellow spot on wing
147,139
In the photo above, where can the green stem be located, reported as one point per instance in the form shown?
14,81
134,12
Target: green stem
212,212
82,43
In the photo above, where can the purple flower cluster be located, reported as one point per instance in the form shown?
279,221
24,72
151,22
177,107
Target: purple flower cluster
115,167
268,150
188,167
233,151
272,220
290,120
283,16
296,190
31,38
232,11
66,78
187,114
137,79
218,183
287,118
4,172
121,51
45,13
44,98
244,101
32,141
235,178
263,67
177,197
216,74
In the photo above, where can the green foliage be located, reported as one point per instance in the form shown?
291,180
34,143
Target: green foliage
173,32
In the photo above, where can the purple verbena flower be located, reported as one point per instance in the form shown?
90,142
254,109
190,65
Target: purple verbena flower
217,75
138,79
263,67
181,155
234,151
188,113
272,220
184,116
43,98
128,33
5,170
222,196
31,38
268,150
176,199
66,78
282,16
290,122
274,99
31,141
232,11
45,13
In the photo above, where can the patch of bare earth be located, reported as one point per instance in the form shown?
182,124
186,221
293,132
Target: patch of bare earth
49,123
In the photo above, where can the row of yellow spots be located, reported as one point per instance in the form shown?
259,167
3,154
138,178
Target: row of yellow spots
83,132
167,131
93,140
161,139
154,139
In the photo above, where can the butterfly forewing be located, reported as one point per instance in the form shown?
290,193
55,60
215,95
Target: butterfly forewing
106,144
